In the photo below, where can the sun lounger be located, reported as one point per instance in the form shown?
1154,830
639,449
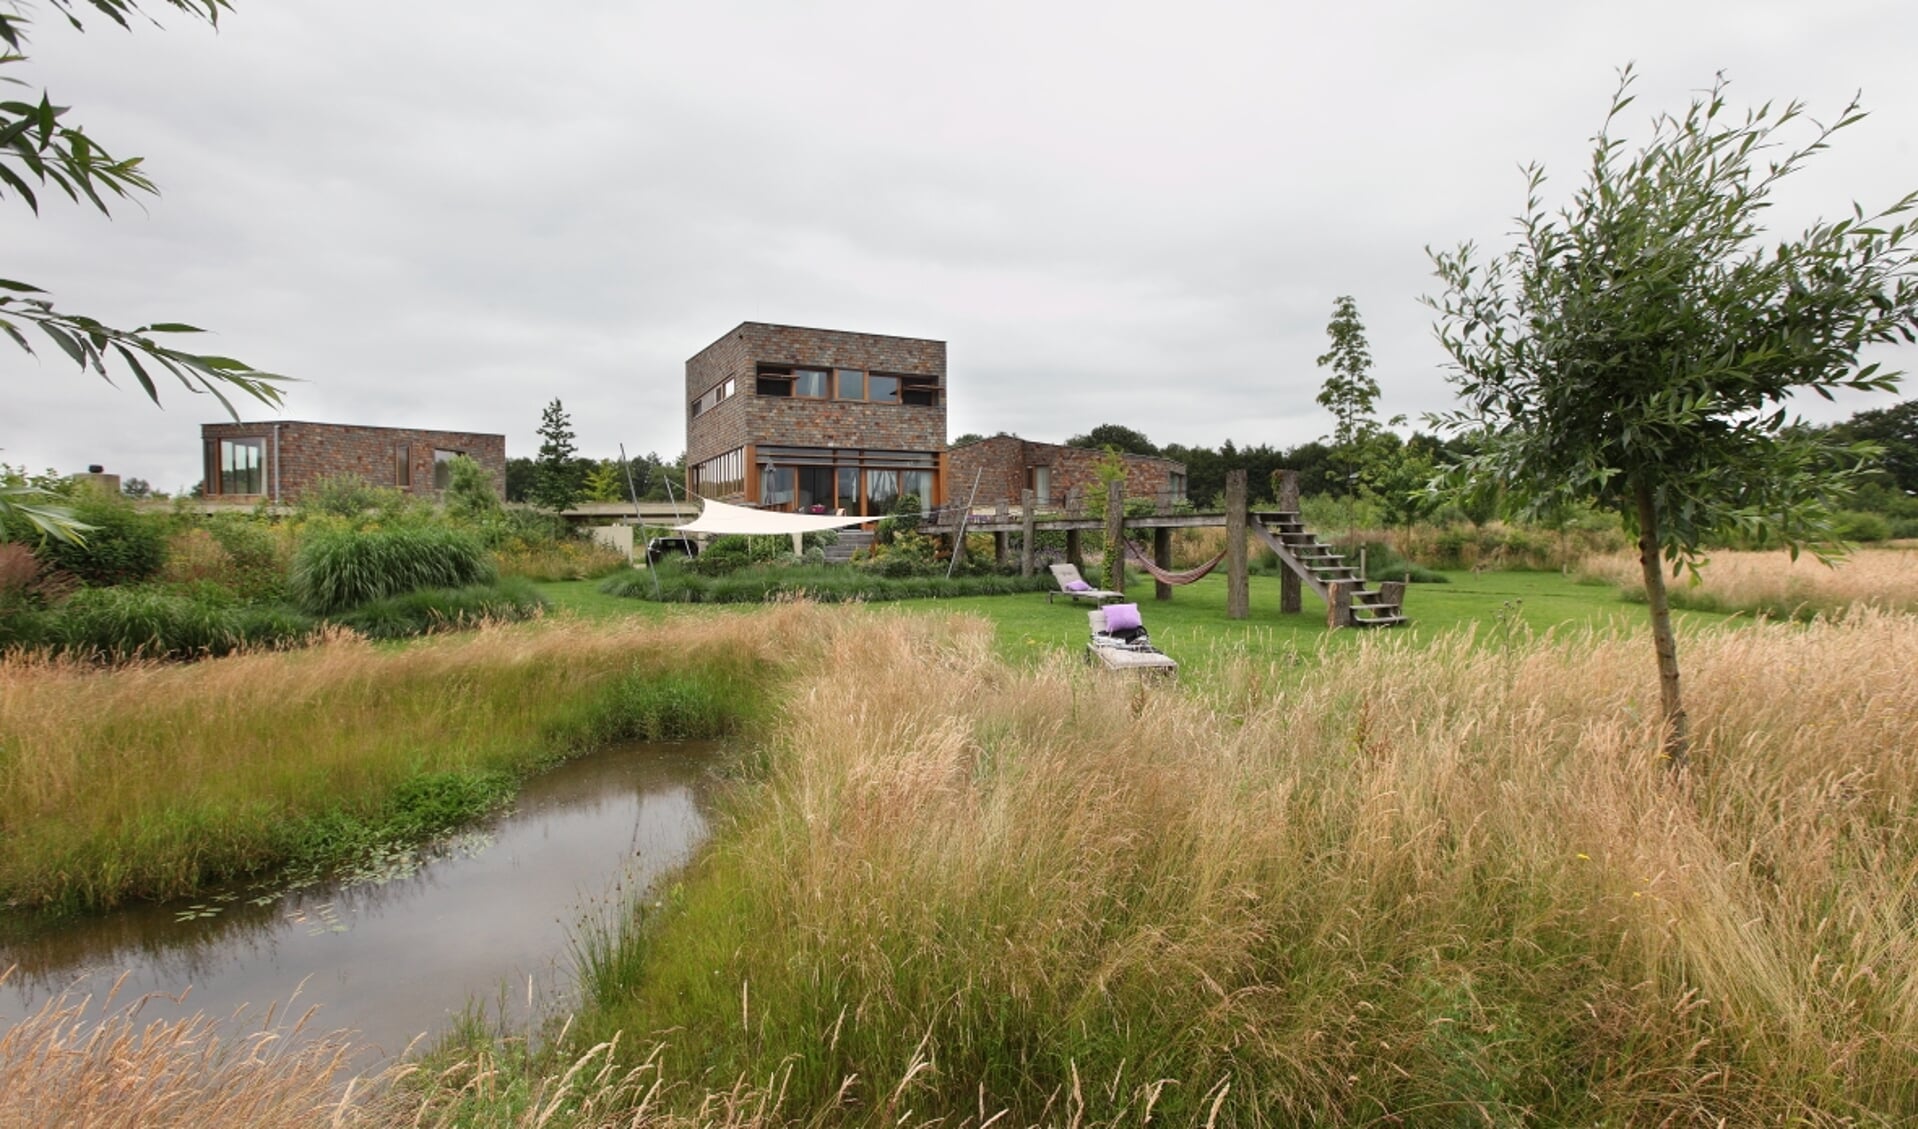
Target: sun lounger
1121,643
1072,585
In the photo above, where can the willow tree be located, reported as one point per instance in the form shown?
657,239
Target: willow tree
1640,346
44,153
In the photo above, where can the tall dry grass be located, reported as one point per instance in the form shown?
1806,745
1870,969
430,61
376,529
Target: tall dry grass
96,1064
1776,585
152,779
1441,886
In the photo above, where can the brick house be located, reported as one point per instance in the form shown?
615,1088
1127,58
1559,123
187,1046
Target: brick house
816,420
1006,466
276,460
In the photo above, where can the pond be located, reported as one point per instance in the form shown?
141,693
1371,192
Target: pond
401,946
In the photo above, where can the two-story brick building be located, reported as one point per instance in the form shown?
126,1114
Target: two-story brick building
276,460
816,420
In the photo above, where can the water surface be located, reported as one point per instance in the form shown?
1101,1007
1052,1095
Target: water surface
410,941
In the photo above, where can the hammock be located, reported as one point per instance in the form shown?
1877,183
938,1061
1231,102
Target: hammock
1144,560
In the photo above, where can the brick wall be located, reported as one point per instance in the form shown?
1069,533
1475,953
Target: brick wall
1002,463
748,417
303,452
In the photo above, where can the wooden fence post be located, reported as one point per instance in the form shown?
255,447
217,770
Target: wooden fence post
1025,544
1237,582
1291,595
1162,556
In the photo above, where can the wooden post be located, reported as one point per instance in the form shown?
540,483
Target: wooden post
1115,536
1162,556
1291,596
999,549
1075,551
1289,491
1237,582
1338,604
1025,534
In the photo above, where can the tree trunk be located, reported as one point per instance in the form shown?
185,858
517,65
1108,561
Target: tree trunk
1677,736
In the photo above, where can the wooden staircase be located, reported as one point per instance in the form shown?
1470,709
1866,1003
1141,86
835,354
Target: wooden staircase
1349,601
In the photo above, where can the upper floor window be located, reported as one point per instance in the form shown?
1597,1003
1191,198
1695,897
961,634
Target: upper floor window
403,465
848,384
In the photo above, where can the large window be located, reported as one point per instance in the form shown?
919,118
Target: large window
809,382
403,465
776,486
1041,483
443,467
242,466
882,490
918,483
882,389
720,476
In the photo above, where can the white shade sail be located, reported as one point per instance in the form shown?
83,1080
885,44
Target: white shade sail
718,517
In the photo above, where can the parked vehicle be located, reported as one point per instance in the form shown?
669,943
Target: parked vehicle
660,547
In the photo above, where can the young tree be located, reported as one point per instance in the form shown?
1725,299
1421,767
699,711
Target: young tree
1349,392
1639,347
40,148
556,475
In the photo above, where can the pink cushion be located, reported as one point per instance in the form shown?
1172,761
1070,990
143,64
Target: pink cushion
1123,617
1078,586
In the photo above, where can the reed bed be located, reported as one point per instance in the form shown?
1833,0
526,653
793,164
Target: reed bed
1776,585
1441,886
152,780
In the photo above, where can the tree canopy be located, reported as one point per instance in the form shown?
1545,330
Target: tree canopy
1639,348
1116,435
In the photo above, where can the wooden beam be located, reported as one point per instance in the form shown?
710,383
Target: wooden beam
1115,536
1075,551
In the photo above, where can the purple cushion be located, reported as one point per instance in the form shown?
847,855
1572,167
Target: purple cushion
1123,617
1077,586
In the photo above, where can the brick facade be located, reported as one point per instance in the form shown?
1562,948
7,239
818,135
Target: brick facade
294,453
830,429
1005,466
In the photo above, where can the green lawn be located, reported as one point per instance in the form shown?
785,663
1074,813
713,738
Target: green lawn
1193,627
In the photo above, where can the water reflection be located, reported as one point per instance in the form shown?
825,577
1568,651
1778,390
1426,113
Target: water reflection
396,950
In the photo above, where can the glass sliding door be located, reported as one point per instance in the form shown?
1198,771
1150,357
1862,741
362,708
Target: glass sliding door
848,489
882,490
816,490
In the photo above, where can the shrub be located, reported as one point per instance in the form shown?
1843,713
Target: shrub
426,610
1859,525
577,559
149,621
825,584
123,547
336,569
350,496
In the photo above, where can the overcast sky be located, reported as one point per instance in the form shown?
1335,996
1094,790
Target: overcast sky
445,213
